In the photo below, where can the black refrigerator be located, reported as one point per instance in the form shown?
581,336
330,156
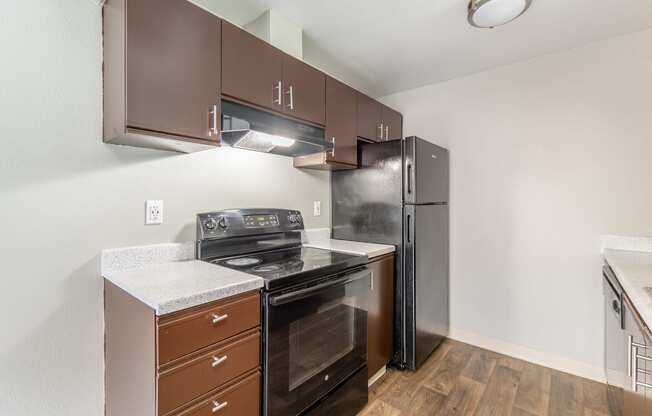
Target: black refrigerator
399,196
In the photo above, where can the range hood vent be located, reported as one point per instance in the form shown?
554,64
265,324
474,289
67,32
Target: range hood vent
248,128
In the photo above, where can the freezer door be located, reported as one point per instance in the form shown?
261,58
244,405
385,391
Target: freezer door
367,201
426,281
426,172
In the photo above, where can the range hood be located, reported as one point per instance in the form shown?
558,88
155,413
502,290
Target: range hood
248,128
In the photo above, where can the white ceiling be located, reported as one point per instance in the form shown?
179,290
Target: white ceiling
393,45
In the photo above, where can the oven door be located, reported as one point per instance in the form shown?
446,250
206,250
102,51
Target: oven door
315,337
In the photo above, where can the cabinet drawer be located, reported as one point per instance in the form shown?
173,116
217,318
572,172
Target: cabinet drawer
240,399
208,371
189,331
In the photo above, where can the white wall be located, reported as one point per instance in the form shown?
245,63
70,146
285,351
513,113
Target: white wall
64,196
546,156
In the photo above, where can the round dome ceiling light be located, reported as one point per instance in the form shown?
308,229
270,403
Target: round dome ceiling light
491,13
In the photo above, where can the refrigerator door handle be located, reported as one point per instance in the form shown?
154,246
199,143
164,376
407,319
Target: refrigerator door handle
409,178
408,227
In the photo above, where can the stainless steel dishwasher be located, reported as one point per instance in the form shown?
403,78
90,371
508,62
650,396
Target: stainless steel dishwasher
615,341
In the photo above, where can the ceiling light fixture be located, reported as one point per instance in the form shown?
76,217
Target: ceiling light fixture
492,13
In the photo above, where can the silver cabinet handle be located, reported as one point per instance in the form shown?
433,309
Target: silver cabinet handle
291,94
333,148
212,114
381,131
630,341
219,318
217,406
386,132
278,87
372,282
218,360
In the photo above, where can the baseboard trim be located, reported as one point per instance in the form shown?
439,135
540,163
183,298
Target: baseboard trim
545,359
379,374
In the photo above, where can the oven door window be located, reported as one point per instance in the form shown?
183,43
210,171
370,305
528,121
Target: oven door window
316,338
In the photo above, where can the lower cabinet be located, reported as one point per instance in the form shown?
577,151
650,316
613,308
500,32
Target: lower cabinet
637,396
380,323
203,360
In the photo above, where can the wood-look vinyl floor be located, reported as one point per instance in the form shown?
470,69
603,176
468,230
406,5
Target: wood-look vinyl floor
459,379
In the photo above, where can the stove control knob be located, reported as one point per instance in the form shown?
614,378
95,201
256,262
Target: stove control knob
222,223
210,224
292,218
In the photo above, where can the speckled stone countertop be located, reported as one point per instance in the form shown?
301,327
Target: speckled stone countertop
631,260
320,238
165,279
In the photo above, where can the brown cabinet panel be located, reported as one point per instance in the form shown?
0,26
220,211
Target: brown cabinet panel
172,68
392,124
304,91
239,399
208,371
369,118
251,68
341,115
188,331
380,324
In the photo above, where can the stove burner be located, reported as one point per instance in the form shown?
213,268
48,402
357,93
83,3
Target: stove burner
243,261
268,268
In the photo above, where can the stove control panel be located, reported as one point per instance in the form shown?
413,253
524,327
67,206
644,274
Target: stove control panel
259,221
250,221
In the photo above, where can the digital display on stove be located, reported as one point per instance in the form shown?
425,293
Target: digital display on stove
261,221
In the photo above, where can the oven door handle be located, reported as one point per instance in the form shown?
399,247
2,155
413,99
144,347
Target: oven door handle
309,291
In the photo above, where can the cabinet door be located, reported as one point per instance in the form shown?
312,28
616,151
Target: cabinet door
304,91
251,68
173,64
636,396
369,118
392,124
380,324
341,111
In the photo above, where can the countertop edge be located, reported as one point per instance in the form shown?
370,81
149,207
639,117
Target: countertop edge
634,294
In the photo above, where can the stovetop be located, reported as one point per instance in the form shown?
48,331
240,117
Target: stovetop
291,266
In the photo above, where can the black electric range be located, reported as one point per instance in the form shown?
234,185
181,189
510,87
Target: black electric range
291,266
314,307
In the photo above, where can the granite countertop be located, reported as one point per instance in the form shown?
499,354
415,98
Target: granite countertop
352,247
167,279
634,272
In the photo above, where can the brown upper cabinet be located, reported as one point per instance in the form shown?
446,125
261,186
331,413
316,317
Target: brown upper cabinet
377,122
252,70
341,122
161,74
392,124
255,72
340,131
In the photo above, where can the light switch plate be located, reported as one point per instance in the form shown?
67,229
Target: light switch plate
154,212
316,208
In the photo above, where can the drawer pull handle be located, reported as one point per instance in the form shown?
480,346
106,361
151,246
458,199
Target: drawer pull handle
219,318
217,406
218,360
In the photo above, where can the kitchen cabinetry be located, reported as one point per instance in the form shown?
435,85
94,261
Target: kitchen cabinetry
255,72
197,361
392,124
380,324
252,70
341,109
637,396
161,75
377,122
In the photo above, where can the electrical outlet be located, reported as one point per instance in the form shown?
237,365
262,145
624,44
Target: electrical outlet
153,212
316,208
